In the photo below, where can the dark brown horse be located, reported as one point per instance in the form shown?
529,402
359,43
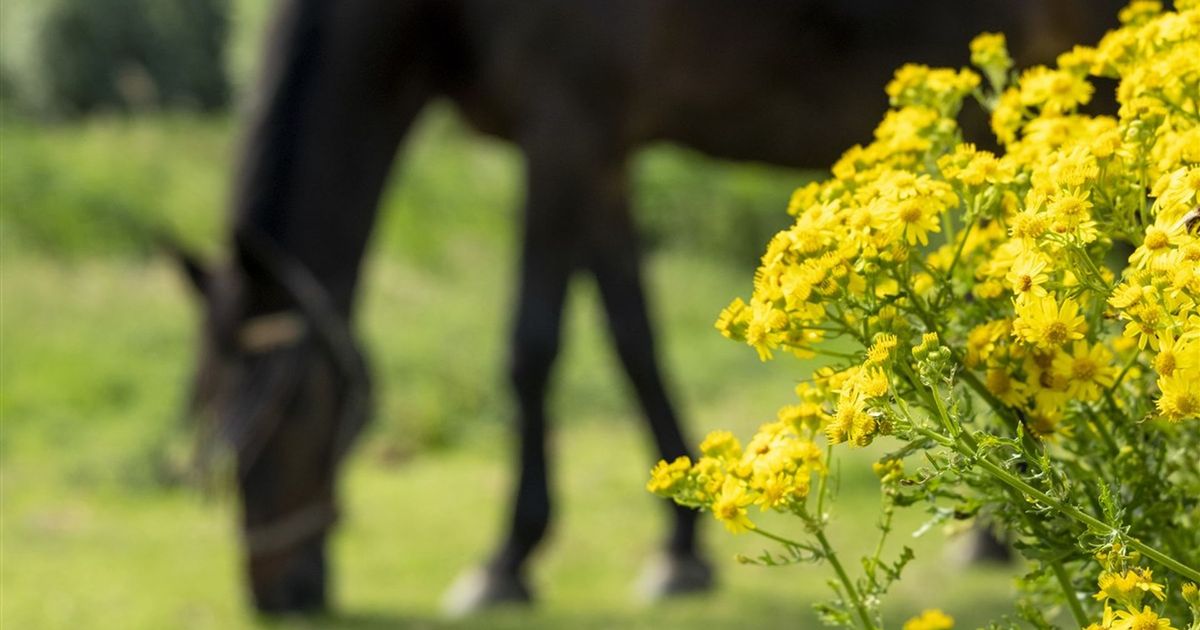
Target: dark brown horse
578,85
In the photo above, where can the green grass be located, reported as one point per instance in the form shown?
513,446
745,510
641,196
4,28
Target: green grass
100,529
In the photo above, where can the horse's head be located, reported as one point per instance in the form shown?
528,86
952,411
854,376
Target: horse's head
281,386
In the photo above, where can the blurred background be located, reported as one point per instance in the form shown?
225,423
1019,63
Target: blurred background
122,115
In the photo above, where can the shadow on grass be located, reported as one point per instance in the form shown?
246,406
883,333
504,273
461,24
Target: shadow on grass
350,620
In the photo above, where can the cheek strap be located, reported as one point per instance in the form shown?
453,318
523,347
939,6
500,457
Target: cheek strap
271,331
291,530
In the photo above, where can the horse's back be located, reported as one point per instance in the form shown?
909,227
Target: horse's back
791,82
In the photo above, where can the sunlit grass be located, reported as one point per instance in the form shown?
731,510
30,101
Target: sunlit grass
101,530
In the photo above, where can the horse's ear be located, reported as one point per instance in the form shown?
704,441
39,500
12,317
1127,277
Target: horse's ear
197,273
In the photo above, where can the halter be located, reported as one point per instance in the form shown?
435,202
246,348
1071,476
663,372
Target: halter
315,317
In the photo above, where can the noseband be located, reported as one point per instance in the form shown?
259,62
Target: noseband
317,318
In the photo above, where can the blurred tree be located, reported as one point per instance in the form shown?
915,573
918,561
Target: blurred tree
62,58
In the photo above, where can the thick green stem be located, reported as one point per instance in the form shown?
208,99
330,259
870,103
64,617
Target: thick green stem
1087,519
1064,581
1093,523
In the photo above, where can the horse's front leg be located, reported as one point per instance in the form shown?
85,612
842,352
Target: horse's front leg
614,260
564,183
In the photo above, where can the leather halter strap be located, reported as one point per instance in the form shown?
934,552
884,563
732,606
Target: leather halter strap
290,530
317,316
268,332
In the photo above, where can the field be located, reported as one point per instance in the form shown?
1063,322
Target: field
105,528
104,525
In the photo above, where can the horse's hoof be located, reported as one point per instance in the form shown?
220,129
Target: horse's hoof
982,546
672,575
483,588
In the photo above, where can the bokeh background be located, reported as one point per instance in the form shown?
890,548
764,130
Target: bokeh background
120,118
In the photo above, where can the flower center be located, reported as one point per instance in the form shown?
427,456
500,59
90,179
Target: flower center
1164,363
1156,239
1083,369
727,510
909,213
1056,333
1187,403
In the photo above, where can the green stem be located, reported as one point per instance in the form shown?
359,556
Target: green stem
958,252
1078,515
779,539
831,555
851,592
885,528
1064,581
1121,377
1059,573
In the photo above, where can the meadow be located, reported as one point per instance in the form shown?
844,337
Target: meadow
106,526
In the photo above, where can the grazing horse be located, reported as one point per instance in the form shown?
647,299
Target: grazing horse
577,85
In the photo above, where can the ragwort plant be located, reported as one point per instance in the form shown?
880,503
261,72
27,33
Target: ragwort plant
1023,372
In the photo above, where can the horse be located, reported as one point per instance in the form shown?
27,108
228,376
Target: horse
578,86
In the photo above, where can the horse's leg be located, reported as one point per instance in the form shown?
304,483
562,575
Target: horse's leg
614,260
564,180
342,82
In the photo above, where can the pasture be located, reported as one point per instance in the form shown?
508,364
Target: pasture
105,527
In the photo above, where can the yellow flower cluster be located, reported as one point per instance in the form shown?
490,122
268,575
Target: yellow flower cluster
1127,589
932,619
1007,256
1041,299
774,471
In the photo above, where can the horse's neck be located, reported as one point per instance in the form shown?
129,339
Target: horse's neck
324,134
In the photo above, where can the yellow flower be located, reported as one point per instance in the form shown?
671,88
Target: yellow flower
1190,593
871,382
1176,353
1008,116
1070,209
881,349
990,54
1180,399
666,478
1078,60
721,445
932,619
1156,244
1139,11
1128,588
913,220
1088,371
988,290
1000,383
1145,620
1146,322
1043,323
732,321
729,507
888,470
983,339
1027,276
1028,225
1055,91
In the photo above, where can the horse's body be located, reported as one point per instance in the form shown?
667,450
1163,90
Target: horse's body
578,85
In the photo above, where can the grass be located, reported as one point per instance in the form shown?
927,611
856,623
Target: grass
101,530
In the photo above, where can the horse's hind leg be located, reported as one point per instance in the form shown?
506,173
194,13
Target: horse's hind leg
614,260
